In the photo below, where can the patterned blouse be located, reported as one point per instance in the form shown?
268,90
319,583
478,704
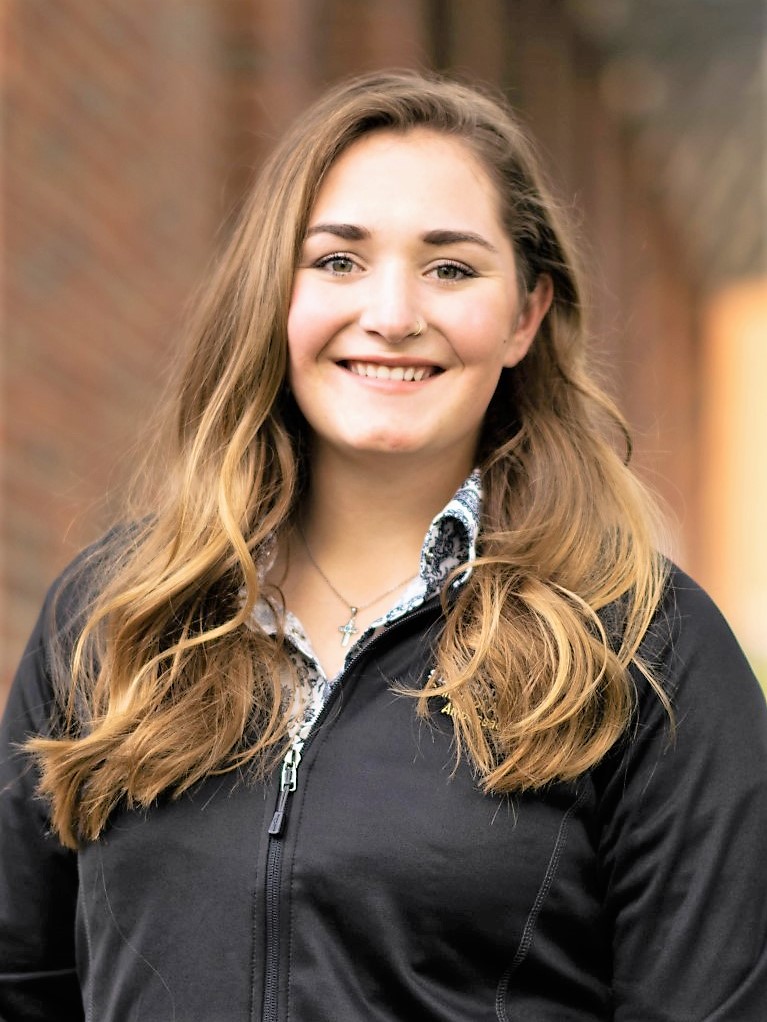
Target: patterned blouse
450,540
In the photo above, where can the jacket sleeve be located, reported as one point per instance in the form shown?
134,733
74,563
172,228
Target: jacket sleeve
38,876
684,830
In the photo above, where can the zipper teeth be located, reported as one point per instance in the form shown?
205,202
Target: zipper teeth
271,971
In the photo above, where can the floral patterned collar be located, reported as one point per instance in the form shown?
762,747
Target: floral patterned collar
450,540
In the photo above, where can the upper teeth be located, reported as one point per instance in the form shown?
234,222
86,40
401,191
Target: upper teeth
382,372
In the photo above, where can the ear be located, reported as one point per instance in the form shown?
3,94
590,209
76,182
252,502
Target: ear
530,318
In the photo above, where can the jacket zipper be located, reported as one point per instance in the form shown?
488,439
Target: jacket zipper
288,781
287,787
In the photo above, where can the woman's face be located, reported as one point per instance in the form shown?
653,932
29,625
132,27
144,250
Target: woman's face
406,232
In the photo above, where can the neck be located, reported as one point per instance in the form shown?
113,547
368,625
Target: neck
382,510
362,528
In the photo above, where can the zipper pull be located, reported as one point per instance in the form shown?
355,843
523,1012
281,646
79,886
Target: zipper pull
287,786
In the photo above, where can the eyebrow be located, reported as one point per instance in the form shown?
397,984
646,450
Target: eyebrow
349,232
352,232
446,237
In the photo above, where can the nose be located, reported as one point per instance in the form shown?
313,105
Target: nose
390,309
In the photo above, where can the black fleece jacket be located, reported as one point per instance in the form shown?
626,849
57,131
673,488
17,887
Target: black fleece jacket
391,888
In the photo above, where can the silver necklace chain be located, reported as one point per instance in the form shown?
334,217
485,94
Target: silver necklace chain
350,627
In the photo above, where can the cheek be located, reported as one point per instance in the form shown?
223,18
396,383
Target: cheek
312,323
484,332
297,319
485,346
304,331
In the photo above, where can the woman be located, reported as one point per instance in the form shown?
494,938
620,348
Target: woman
387,708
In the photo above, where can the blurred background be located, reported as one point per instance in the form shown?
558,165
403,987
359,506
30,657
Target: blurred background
131,128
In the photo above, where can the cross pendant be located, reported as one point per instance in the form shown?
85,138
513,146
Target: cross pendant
348,629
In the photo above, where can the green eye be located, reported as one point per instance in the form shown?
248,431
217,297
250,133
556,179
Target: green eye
447,272
453,272
337,264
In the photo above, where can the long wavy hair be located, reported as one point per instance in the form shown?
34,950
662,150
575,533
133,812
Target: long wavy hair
164,682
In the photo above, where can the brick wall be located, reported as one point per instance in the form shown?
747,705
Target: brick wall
131,130
111,192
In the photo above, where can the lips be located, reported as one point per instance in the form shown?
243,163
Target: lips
378,371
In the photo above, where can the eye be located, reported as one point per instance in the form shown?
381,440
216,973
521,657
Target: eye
452,272
338,264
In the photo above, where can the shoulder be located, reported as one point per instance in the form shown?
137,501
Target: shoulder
71,595
690,644
711,749
715,737
42,671
718,724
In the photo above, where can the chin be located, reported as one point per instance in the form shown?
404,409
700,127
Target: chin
392,447
387,445
378,436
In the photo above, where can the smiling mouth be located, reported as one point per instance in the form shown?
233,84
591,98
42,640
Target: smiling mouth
376,371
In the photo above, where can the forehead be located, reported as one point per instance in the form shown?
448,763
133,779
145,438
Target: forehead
389,172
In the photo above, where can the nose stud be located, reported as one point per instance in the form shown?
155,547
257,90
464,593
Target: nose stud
419,329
